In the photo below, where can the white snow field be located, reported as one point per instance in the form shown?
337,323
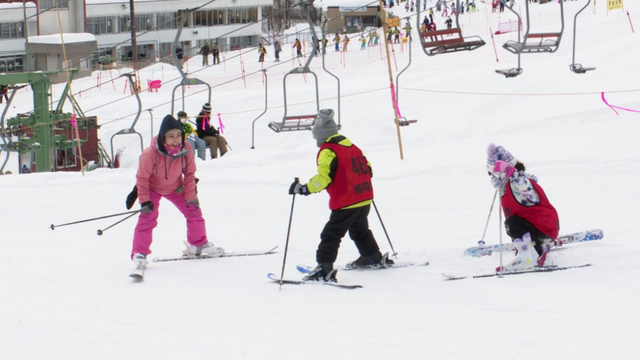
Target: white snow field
66,294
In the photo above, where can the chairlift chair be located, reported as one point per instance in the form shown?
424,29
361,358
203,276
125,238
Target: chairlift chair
434,42
535,42
578,68
130,130
185,80
304,122
296,122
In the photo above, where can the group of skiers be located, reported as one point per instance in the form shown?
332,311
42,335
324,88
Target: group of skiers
167,170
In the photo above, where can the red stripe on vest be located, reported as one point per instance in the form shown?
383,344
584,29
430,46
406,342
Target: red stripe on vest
351,182
542,215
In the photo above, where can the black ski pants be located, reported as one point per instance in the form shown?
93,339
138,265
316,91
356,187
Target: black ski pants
516,228
356,223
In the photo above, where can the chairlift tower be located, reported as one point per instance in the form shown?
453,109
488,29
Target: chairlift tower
42,122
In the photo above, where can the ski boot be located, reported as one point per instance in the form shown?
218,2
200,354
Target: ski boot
207,249
526,255
376,260
322,272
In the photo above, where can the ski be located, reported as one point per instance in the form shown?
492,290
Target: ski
223,255
276,279
483,250
138,273
305,269
515,272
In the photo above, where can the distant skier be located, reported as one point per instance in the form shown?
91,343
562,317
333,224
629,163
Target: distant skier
277,48
298,47
531,221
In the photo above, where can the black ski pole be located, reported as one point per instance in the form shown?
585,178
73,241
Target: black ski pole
286,246
53,227
385,229
100,232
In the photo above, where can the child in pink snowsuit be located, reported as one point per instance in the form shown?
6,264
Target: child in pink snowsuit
167,170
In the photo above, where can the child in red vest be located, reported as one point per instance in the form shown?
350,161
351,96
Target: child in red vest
531,221
345,173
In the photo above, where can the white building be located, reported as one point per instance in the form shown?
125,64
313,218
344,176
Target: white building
231,23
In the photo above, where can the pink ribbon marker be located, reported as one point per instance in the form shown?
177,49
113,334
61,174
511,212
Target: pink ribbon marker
395,103
221,125
613,107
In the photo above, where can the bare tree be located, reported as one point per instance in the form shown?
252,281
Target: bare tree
282,15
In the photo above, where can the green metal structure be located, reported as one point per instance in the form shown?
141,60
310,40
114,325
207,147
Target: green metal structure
42,121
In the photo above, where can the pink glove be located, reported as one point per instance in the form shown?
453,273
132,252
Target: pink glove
504,167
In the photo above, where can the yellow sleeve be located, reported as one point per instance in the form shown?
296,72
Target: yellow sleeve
322,179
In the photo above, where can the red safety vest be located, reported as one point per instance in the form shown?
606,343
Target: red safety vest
542,215
351,182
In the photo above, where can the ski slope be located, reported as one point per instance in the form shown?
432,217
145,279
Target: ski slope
66,293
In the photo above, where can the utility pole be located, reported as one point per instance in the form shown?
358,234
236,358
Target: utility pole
134,43
25,32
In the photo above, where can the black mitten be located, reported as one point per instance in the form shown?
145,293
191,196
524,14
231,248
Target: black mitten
146,207
132,197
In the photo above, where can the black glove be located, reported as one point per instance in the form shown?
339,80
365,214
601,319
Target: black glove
301,189
292,188
132,197
146,207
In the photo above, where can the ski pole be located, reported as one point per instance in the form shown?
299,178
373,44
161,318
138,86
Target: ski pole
385,229
100,232
53,227
481,242
286,246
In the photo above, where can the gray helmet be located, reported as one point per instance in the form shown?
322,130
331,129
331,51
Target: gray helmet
324,126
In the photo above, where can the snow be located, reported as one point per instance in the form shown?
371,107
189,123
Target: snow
66,293
57,39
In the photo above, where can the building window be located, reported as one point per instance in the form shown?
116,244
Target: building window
124,23
144,22
167,21
11,30
84,64
100,25
233,16
51,4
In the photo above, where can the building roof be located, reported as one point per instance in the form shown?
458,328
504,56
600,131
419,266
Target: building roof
57,39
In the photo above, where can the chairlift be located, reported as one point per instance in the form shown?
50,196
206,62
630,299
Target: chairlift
297,122
578,68
130,130
535,42
402,121
185,80
304,121
434,42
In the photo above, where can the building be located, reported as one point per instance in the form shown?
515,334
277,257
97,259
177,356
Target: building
351,19
232,24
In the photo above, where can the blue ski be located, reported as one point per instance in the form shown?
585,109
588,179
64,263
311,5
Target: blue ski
483,250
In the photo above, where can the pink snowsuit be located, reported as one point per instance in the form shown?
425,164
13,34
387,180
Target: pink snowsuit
161,175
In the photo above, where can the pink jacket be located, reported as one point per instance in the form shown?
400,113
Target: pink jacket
165,174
